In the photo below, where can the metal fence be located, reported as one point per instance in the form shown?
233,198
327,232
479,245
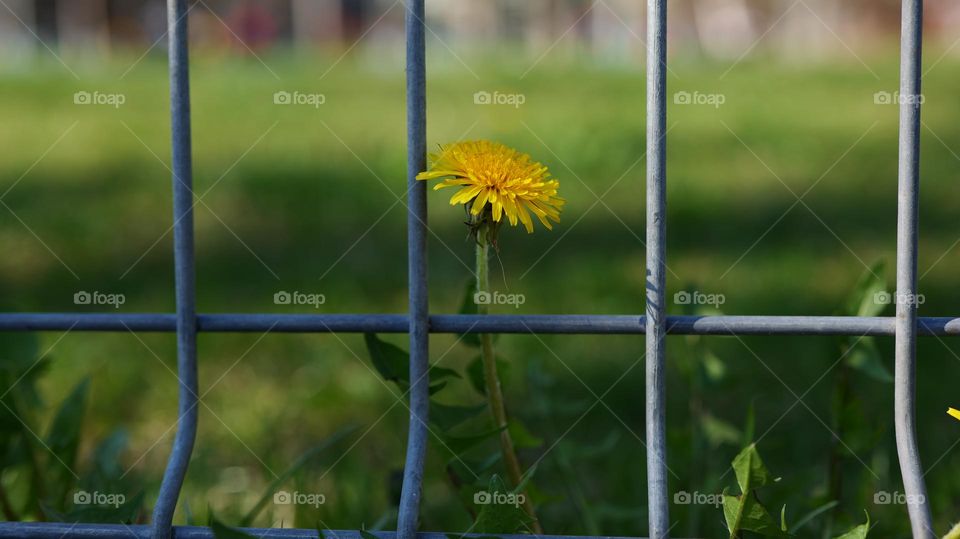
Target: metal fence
905,326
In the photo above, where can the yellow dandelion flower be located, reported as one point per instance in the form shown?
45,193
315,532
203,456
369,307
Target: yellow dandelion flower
498,179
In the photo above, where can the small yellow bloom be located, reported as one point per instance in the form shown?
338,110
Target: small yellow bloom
954,413
496,176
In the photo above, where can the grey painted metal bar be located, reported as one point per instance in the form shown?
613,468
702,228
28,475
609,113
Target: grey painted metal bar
419,323
908,210
45,530
186,322
567,324
656,330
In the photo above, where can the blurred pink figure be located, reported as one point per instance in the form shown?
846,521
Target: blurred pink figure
254,25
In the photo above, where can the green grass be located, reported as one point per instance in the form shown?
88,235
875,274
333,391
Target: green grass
295,194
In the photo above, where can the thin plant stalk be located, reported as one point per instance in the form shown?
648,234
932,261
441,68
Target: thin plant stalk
492,380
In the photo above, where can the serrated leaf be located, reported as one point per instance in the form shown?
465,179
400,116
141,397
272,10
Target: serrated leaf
505,518
750,471
860,532
752,517
393,364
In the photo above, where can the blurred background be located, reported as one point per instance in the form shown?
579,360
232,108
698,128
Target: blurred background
782,167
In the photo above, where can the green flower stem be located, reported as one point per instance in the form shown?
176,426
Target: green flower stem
494,392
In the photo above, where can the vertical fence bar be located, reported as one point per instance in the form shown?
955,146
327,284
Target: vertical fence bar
183,270
911,33
417,268
656,268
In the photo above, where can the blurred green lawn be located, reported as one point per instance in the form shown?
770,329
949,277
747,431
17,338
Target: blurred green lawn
301,198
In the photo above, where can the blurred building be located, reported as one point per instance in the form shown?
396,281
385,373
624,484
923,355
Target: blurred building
610,30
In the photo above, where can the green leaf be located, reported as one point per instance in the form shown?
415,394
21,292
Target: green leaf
866,358
713,366
222,531
863,299
494,517
447,416
522,437
464,469
124,513
468,306
752,517
106,457
750,471
475,374
719,432
63,440
304,459
805,519
860,532
393,364
954,532
460,444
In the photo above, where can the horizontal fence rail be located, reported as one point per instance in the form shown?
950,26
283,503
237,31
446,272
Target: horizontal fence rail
33,530
566,324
